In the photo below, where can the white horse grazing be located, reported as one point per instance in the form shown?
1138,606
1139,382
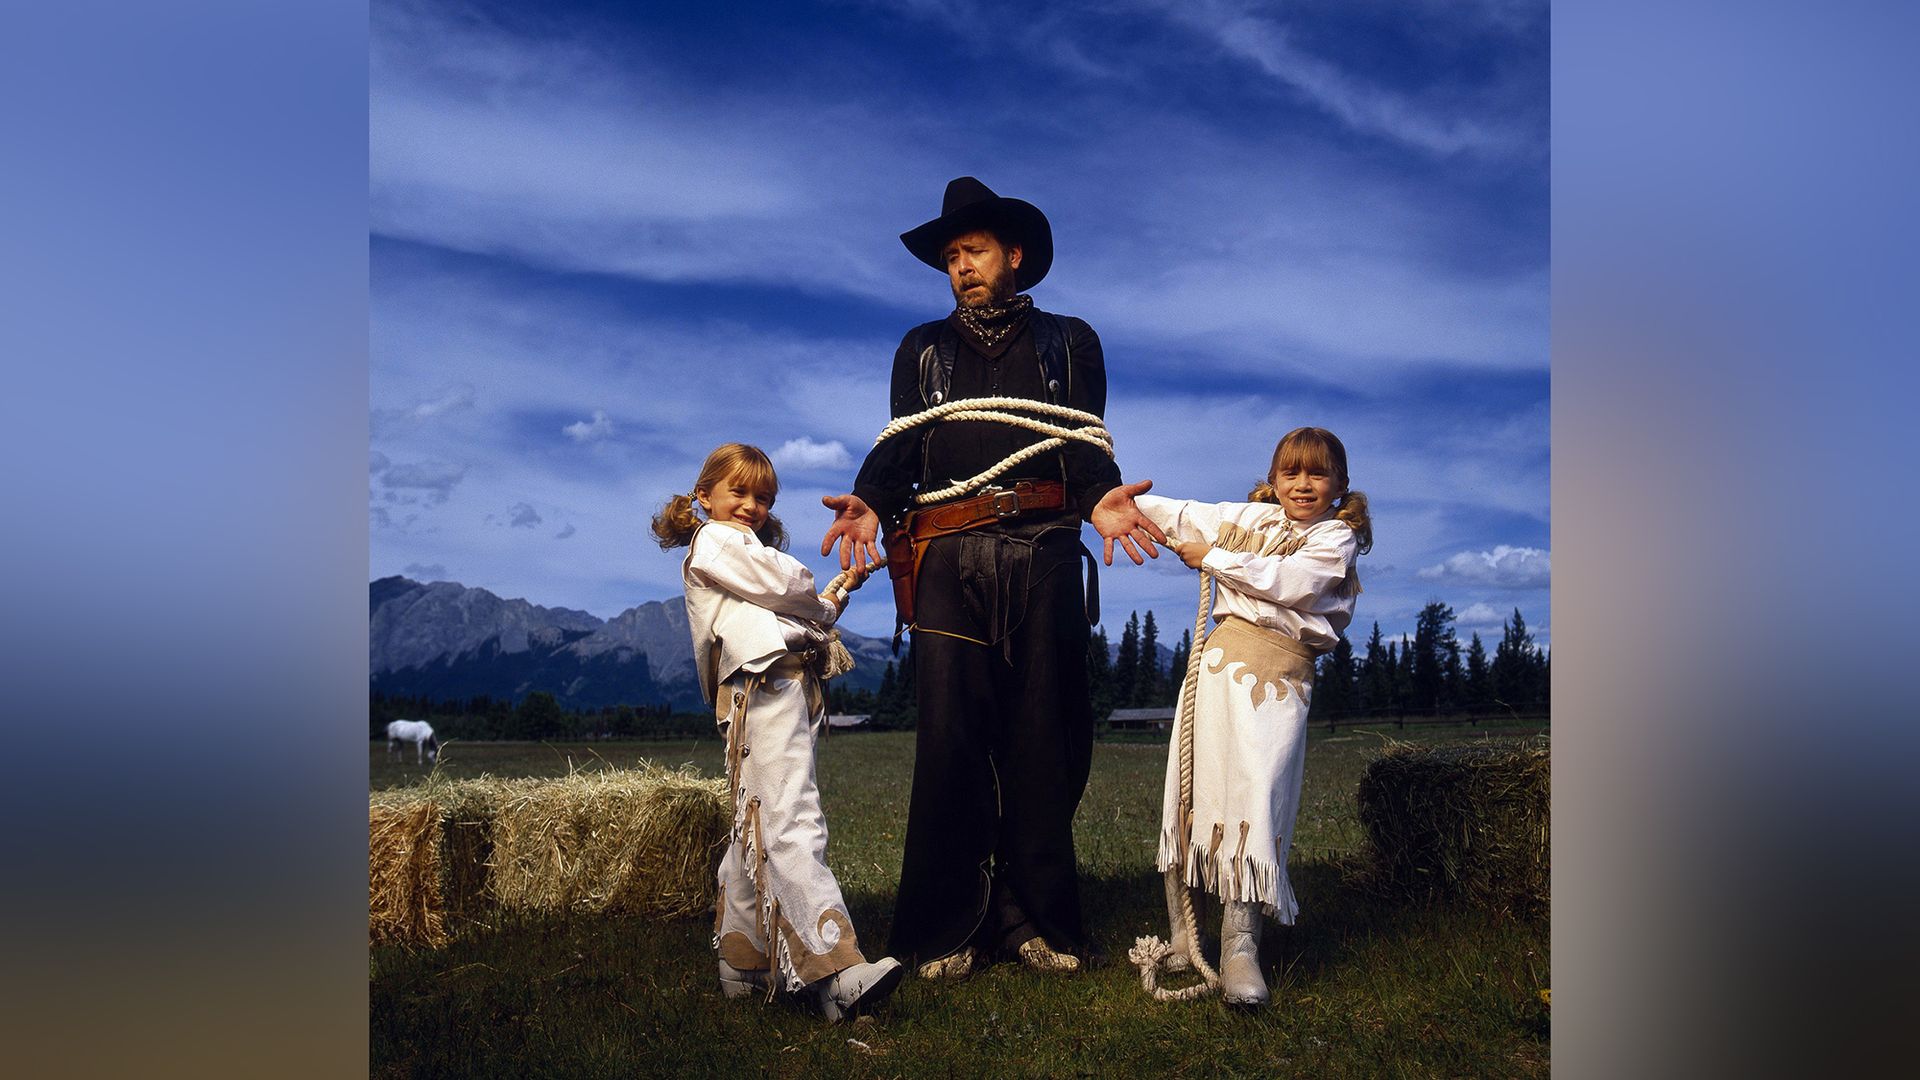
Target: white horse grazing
417,732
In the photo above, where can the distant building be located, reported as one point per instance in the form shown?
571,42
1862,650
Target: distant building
1158,719
848,720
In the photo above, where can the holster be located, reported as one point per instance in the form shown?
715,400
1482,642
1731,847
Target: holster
903,568
907,545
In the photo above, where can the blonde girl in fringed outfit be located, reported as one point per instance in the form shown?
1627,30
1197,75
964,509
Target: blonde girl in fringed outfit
762,646
1285,564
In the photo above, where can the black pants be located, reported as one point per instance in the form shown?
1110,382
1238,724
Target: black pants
1004,743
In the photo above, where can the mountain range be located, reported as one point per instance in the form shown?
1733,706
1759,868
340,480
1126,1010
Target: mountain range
445,640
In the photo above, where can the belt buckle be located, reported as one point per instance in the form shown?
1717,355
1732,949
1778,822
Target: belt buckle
1006,502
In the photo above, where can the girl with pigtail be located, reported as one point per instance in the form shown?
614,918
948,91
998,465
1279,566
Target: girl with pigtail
763,647
1285,559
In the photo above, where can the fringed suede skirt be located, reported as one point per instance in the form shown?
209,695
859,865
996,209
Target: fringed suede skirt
778,906
1249,752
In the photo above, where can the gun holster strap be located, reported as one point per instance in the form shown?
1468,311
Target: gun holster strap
907,545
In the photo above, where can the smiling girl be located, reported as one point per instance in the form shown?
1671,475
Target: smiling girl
1285,561
762,649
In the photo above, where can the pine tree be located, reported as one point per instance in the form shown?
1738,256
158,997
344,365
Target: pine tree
1146,680
1126,666
1479,687
1333,689
1432,634
1100,675
1516,664
1376,674
1177,670
1453,688
1403,675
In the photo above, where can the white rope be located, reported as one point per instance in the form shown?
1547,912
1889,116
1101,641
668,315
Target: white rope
1090,430
1150,954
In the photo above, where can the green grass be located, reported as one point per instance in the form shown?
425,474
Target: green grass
1361,986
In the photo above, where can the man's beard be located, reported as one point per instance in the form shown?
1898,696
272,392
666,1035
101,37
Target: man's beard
999,290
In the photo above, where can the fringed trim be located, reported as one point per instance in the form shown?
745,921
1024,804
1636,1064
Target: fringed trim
1230,876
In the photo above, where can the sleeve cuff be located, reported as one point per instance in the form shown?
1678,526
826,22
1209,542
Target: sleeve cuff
1218,559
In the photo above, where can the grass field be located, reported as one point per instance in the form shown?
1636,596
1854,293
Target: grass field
1362,986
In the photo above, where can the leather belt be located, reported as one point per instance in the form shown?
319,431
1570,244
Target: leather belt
908,545
992,504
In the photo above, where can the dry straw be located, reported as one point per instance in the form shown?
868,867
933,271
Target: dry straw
1460,821
445,857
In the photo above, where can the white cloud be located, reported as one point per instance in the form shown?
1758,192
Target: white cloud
804,453
390,421
436,478
377,463
566,532
523,516
425,571
1479,615
1503,567
588,431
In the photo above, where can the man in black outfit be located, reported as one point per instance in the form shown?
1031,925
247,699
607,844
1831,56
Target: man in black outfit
999,617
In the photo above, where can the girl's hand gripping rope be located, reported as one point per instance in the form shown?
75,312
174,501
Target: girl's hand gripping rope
841,588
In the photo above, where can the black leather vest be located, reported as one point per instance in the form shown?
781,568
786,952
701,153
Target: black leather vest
1050,342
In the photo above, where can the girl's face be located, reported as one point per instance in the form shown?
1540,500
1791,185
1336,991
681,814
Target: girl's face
1305,493
733,500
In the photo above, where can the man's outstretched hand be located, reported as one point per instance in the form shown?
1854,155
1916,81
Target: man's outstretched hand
855,528
1115,517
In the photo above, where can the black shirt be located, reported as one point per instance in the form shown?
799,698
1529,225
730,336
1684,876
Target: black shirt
934,456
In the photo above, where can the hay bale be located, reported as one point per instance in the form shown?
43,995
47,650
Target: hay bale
637,841
1460,821
403,872
447,857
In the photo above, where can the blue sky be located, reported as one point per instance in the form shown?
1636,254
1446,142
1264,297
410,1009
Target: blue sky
607,237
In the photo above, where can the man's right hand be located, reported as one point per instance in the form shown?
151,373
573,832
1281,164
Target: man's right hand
855,528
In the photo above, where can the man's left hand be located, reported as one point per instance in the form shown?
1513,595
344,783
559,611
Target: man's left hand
1115,517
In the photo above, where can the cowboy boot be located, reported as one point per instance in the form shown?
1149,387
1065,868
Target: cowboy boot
957,965
1183,943
1240,980
1038,955
852,991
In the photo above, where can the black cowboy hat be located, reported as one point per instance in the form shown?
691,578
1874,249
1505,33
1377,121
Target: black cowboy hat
971,205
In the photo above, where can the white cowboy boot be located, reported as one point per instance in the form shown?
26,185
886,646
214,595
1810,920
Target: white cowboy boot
847,993
1183,945
1240,981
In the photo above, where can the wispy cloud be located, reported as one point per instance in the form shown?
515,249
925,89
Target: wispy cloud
436,479
804,453
425,571
590,430
565,533
1269,45
1504,567
523,516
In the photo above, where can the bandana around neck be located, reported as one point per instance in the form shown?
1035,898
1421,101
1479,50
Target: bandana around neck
993,325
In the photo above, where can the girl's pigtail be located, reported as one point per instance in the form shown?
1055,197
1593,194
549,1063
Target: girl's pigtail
676,523
1263,493
1352,509
773,534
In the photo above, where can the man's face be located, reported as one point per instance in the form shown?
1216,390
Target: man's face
980,270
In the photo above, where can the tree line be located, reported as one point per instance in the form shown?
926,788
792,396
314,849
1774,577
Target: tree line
539,715
1429,674
1432,674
